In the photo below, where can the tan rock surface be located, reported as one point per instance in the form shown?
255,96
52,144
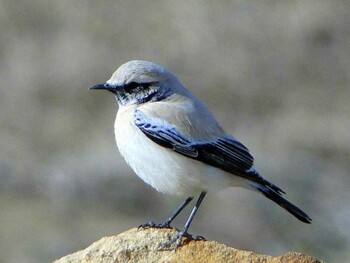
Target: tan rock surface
142,246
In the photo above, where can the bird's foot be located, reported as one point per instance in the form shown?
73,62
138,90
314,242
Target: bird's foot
178,240
166,224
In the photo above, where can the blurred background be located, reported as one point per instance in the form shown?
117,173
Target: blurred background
275,73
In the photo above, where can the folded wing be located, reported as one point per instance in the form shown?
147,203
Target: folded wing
225,153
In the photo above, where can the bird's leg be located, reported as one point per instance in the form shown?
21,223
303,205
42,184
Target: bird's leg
180,234
167,223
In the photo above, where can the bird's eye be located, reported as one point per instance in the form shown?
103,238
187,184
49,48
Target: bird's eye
131,86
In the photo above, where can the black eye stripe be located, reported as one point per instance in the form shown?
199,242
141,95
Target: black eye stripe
130,87
137,93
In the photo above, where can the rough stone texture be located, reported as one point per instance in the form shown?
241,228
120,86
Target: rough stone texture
142,246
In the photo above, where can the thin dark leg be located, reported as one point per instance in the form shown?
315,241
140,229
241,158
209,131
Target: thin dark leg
193,213
167,223
177,212
178,238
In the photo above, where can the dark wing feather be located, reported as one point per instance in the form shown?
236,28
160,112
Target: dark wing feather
224,153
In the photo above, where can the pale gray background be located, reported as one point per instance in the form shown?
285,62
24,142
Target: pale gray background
275,73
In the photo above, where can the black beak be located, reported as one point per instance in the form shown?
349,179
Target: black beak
104,86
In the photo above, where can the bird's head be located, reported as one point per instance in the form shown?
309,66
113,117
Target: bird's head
138,81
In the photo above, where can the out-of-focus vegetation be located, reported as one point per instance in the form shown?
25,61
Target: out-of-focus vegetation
275,73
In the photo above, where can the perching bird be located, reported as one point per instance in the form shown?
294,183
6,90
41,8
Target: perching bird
173,142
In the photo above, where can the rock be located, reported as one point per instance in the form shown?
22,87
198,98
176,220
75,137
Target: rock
142,246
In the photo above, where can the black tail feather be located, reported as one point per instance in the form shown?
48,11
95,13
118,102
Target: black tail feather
276,197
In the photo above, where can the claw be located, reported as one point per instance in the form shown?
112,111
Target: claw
196,238
178,240
166,224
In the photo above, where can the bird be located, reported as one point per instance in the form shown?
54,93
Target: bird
173,142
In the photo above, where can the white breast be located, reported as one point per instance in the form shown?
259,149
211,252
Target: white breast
163,169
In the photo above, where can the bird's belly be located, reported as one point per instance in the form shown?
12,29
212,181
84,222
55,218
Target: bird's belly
166,171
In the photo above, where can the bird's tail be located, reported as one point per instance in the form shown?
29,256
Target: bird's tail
274,193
